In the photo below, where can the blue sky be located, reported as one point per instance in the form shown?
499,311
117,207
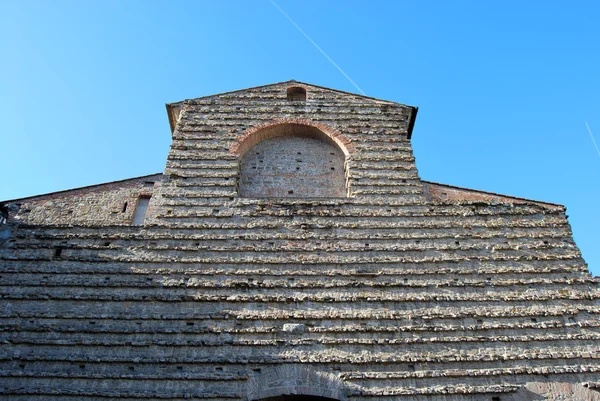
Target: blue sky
503,88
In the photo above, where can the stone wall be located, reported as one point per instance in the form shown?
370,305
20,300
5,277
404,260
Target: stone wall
388,294
212,134
435,192
105,204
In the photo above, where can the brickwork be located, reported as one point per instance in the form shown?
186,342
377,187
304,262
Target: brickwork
213,132
287,127
393,293
294,167
441,193
106,204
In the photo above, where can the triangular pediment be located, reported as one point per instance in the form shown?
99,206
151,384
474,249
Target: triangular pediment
260,94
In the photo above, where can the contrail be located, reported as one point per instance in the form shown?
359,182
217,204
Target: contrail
592,136
318,48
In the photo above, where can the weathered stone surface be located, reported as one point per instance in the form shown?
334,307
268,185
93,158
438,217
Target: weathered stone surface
379,286
105,204
293,167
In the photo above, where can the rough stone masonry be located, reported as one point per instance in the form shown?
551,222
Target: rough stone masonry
290,251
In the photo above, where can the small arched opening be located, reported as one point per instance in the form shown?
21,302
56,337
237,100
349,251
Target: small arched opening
296,93
292,160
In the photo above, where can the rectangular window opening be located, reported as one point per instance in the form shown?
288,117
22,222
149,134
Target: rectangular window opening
58,252
140,211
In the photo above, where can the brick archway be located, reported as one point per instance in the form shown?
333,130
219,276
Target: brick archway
292,158
290,126
283,381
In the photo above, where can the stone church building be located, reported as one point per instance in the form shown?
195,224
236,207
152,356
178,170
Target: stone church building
290,252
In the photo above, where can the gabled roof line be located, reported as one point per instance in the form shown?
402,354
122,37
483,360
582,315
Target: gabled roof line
493,193
411,123
289,82
170,106
353,94
228,93
79,188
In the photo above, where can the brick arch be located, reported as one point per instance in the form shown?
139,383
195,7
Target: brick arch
293,380
290,127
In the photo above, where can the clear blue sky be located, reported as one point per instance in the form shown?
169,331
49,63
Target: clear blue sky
503,88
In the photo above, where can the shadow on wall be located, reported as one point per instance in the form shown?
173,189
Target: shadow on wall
304,382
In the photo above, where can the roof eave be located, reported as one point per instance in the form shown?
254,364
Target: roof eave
87,187
173,114
516,198
411,122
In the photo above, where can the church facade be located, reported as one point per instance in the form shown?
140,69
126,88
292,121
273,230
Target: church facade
290,251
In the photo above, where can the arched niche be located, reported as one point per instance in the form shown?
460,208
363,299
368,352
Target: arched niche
295,383
292,160
298,398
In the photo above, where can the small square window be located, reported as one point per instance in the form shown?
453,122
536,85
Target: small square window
296,93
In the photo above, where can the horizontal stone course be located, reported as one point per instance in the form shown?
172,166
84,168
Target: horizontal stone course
399,289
